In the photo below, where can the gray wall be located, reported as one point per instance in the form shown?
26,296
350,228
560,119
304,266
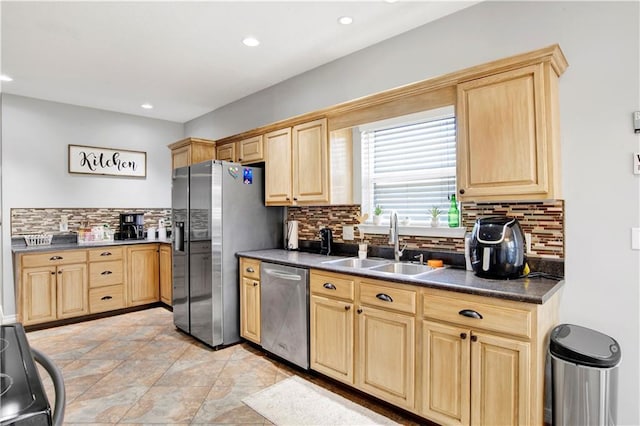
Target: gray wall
598,93
35,136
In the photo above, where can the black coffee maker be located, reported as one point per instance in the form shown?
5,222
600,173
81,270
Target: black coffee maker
132,226
326,238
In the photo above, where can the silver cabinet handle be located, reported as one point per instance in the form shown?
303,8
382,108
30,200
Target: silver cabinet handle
384,297
106,273
250,270
55,258
329,286
105,253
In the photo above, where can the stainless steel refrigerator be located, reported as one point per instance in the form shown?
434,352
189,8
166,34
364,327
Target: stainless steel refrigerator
217,210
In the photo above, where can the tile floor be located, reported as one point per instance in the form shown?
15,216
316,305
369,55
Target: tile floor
136,368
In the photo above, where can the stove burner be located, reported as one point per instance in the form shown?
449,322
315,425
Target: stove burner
4,344
5,383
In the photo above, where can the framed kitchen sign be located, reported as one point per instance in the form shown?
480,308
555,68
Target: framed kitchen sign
105,161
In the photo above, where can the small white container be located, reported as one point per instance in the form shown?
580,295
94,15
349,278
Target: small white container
362,254
151,233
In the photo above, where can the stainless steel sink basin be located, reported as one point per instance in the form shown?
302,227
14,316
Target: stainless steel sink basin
401,268
354,262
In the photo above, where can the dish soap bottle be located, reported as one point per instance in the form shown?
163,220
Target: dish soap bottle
454,213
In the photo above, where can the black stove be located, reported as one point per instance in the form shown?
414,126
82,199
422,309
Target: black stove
22,397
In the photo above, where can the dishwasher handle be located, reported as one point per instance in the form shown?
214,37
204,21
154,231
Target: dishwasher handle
282,275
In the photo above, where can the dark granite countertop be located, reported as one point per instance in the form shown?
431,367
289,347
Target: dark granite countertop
67,245
530,290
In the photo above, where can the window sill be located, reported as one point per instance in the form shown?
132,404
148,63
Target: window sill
420,231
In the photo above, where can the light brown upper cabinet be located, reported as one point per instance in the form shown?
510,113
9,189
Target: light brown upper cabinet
189,151
278,168
251,150
245,151
508,139
226,152
297,165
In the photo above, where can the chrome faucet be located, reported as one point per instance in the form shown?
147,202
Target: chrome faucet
394,238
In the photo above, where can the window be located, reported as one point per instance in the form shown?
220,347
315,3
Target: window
409,165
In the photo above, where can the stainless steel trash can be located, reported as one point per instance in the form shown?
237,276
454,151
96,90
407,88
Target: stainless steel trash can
584,368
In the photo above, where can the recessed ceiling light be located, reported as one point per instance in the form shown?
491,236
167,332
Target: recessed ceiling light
390,1
5,78
251,41
345,20
147,106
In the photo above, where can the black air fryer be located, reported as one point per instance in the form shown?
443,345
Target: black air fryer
497,248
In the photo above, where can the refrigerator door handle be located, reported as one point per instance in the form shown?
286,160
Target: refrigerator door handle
178,239
282,275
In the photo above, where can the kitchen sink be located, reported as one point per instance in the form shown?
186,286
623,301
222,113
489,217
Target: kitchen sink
401,268
354,262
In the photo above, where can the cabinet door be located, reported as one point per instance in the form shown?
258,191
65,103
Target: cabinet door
500,374
332,338
251,150
386,347
310,162
502,137
446,378
181,157
250,309
143,274
38,294
278,168
166,277
226,152
72,290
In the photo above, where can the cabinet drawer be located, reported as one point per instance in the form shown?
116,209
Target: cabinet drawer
250,268
106,298
54,258
396,298
501,317
105,253
332,285
105,273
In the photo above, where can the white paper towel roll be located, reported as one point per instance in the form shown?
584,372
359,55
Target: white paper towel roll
292,235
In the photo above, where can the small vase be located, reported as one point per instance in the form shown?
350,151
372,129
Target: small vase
376,220
435,223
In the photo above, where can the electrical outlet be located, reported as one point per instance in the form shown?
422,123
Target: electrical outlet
527,237
347,232
64,223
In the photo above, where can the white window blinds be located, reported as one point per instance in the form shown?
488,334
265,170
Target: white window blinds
410,167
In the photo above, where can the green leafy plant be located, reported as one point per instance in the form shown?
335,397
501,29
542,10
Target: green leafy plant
435,212
378,210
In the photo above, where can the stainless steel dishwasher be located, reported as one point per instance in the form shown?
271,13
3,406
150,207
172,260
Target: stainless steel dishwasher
284,304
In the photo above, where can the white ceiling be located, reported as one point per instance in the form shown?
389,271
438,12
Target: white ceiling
186,58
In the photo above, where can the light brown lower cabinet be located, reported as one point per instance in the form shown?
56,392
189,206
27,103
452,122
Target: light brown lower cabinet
143,271
54,292
61,284
166,274
250,326
52,286
72,291
426,350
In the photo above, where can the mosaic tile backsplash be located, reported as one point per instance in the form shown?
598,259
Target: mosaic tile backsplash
544,220
37,221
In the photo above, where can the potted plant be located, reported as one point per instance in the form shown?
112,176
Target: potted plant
377,212
435,212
